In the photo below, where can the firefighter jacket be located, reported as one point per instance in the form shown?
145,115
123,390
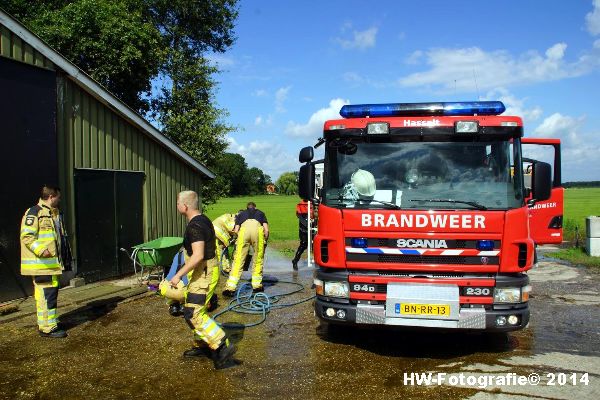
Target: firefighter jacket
224,227
39,233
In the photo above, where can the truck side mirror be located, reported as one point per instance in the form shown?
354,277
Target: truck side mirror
306,155
306,180
541,187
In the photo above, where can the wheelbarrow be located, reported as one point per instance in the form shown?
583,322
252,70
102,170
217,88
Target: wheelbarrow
154,256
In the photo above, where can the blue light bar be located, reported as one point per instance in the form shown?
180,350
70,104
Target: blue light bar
485,245
423,109
358,242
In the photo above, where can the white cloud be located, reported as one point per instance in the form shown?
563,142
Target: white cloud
270,156
314,127
361,39
415,57
471,69
592,19
561,126
261,121
260,93
579,151
281,96
514,105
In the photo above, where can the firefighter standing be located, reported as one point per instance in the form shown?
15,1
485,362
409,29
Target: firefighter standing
224,229
199,243
41,258
252,229
302,214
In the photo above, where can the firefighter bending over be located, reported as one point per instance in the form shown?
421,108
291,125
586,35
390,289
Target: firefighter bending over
252,229
199,244
224,229
41,258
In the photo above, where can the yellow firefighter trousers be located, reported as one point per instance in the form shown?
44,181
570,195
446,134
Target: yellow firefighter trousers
201,286
251,234
46,295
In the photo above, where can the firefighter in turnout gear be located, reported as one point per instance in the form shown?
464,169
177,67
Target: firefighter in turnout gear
302,214
200,260
224,226
252,229
40,238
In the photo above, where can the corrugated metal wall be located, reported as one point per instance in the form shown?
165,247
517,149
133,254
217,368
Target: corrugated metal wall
12,46
92,135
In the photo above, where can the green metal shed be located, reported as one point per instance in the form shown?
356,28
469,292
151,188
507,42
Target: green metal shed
119,175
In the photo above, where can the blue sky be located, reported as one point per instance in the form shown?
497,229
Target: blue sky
295,63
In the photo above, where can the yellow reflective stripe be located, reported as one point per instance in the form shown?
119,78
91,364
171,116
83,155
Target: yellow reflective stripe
35,246
56,265
42,261
233,280
256,280
26,231
46,235
214,331
200,335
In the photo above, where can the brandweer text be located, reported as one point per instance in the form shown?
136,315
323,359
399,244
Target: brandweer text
423,221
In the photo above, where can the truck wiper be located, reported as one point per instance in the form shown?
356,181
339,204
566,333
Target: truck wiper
386,203
471,203
366,201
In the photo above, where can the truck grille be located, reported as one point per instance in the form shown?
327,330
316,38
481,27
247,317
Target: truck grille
414,259
427,274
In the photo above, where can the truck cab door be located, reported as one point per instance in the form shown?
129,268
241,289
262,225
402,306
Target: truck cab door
545,217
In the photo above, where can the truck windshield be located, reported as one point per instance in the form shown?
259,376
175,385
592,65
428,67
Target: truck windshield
422,175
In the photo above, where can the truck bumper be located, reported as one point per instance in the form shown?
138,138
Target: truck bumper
480,319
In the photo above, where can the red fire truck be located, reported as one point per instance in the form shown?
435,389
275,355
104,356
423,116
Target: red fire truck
424,216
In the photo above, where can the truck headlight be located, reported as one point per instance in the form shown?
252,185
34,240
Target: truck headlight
507,295
336,289
318,286
525,293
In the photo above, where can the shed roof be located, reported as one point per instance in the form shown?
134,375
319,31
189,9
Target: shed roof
99,92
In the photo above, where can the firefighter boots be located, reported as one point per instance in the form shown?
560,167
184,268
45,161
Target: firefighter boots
55,333
228,293
213,303
176,309
259,289
223,356
198,352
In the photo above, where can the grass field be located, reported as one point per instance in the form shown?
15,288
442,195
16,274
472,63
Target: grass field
579,204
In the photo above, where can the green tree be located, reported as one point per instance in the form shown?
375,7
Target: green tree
232,169
108,39
288,183
185,106
257,181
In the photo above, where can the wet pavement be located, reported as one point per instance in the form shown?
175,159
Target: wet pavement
132,349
